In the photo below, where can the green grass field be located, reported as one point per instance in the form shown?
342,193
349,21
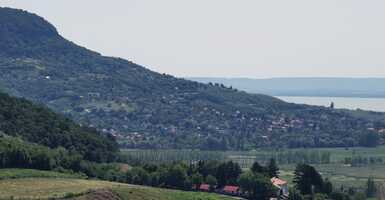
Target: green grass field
31,173
34,184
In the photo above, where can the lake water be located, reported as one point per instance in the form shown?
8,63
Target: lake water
372,104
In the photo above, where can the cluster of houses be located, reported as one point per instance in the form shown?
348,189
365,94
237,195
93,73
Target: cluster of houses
281,185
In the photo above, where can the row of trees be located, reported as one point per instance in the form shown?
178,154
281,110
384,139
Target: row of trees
16,153
359,160
138,156
254,182
302,156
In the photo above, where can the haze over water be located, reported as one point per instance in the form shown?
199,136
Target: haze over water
371,104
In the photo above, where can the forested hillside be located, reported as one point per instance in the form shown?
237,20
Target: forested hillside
37,124
145,109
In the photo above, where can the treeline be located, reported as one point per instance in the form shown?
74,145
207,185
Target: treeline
16,153
308,157
245,159
137,156
358,160
254,184
37,124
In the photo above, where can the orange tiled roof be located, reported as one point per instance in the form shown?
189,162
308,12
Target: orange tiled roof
277,182
205,187
231,189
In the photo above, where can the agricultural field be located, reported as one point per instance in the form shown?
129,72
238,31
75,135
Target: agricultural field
59,186
47,188
147,193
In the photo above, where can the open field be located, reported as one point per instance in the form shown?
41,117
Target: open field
147,193
58,188
47,188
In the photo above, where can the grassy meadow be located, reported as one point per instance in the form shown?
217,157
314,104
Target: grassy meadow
59,188
22,184
31,173
147,193
49,188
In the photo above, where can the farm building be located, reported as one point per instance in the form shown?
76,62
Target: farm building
230,189
283,191
204,187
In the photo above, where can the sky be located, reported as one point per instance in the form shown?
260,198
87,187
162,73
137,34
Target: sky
228,38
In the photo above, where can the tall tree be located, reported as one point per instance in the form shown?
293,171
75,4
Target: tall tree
294,194
228,173
257,168
306,178
273,169
212,181
327,187
197,180
257,186
370,188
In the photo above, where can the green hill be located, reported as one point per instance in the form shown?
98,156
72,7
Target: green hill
145,109
44,129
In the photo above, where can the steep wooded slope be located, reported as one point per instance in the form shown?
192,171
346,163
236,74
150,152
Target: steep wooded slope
37,124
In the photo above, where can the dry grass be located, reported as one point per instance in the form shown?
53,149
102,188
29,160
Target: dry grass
148,193
59,188
48,188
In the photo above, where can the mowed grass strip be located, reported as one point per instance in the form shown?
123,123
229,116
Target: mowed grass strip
50,188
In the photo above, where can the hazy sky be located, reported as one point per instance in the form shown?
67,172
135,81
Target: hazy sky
230,38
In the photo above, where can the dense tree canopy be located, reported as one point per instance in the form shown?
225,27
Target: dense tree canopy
258,186
37,124
307,179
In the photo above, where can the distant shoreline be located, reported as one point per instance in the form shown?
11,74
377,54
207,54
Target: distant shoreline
306,87
351,103
333,96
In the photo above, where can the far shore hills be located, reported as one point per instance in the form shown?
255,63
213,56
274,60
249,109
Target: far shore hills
307,86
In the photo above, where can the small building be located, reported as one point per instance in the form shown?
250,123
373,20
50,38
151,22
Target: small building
230,189
283,190
204,187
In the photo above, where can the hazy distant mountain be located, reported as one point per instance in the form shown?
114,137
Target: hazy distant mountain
336,87
146,109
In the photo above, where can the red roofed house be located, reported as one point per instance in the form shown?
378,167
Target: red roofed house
229,189
281,185
204,187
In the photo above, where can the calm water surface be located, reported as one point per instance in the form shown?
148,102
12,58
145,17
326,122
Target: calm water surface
372,104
